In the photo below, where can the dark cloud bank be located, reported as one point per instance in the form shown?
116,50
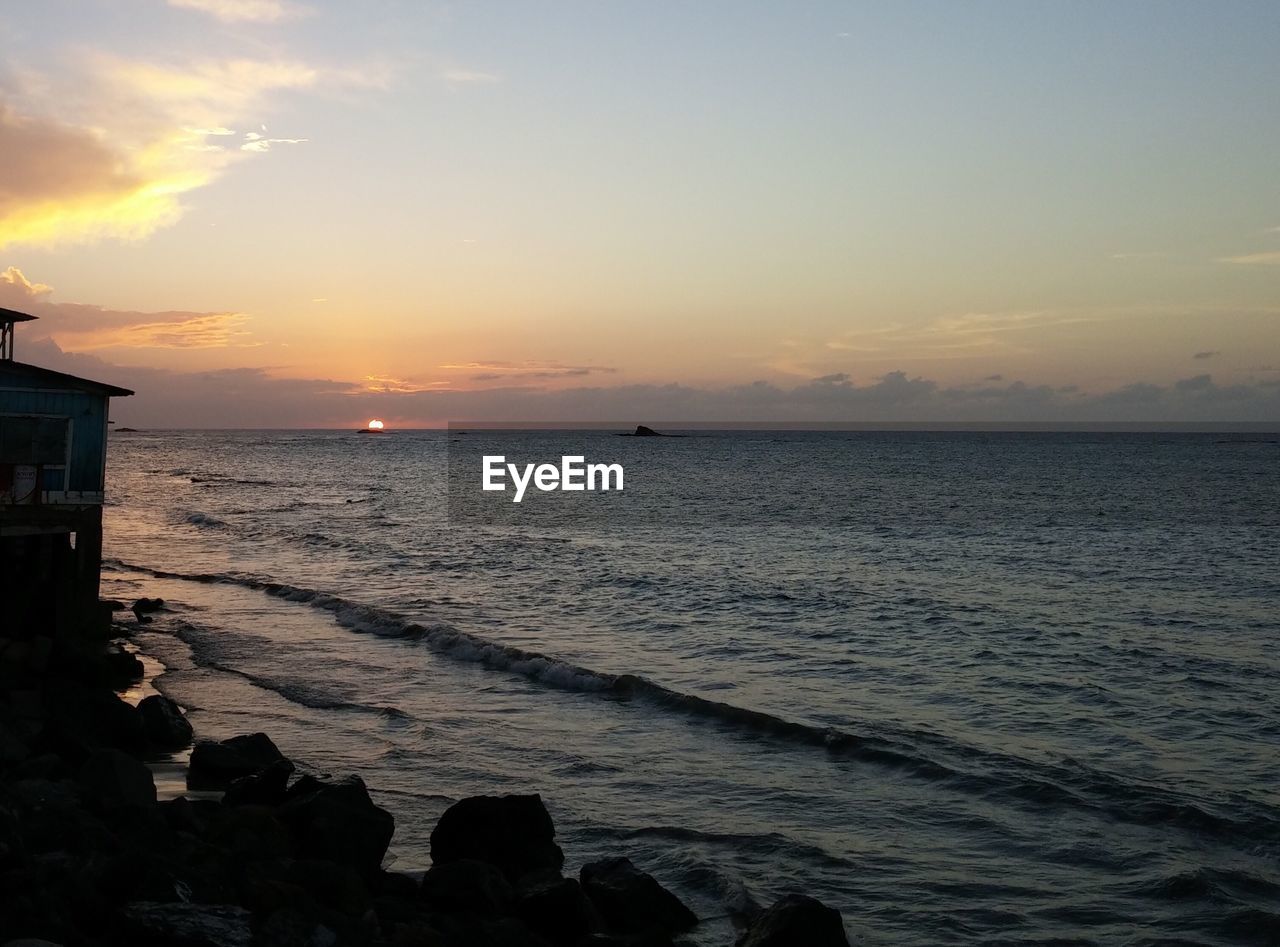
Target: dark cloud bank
249,397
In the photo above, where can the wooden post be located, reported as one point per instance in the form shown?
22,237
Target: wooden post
89,562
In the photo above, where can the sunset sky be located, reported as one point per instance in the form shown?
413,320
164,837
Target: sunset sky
277,213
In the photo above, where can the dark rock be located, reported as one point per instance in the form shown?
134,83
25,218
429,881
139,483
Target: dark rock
397,884
45,766
25,660
54,819
115,780
192,816
163,723
514,833
265,788
114,604
338,887
91,717
631,900
251,832
12,749
121,667
189,925
796,919
145,605
98,717
646,939
216,765
304,785
457,930
468,885
557,909
339,822
292,927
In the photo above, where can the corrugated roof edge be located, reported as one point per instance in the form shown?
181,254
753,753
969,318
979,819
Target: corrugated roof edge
62,379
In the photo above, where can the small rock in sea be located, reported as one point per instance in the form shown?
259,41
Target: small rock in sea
116,780
339,822
163,723
514,833
144,606
468,885
632,900
215,765
796,919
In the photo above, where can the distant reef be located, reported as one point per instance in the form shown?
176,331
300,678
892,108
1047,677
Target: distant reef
642,431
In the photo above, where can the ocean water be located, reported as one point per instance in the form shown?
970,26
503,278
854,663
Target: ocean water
967,688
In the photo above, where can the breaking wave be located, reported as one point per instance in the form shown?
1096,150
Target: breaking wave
1015,780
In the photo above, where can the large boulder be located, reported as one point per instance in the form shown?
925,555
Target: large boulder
339,822
115,780
163,723
557,909
796,919
468,886
216,765
250,833
631,900
268,787
96,717
513,833
190,925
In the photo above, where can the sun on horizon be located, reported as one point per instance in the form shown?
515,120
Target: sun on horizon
376,425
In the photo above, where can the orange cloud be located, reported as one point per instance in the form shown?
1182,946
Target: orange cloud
109,149
82,328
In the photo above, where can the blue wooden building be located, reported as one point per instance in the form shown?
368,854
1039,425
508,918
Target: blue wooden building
53,457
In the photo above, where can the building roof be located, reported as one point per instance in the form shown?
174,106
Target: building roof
48,378
11,315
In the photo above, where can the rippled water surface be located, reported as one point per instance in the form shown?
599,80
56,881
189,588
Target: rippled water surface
968,688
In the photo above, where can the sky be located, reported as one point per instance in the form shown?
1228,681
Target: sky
301,213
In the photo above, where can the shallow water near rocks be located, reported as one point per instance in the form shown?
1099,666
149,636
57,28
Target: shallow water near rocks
973,688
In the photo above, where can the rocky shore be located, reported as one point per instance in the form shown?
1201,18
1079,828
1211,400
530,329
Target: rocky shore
259,855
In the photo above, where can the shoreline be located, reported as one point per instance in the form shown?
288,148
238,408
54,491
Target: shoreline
119,825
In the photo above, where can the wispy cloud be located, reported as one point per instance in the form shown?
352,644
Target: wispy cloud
508,371
244,11
1270,258
386,384
963,335
1205,356
256,142
456,76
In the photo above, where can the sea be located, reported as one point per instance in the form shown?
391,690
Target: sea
967,688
